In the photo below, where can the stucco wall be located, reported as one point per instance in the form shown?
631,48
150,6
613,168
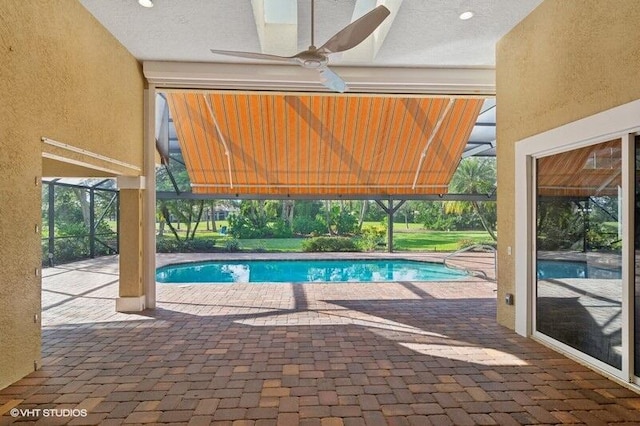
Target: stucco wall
62,76
567,60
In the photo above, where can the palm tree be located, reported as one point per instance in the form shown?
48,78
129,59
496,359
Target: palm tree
473,176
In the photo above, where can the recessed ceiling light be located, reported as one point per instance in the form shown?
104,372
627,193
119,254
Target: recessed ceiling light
466,15
145,3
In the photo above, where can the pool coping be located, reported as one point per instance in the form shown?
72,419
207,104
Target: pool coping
164,259
167,259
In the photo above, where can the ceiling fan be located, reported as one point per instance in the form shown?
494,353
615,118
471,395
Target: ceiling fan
317,58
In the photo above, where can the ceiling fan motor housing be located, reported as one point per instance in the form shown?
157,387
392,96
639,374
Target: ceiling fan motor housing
312,58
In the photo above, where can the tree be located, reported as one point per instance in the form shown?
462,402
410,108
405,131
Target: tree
252,220
186,211
557,224
474,176
82,194
173,177
327,212
363,211
288,207
212,215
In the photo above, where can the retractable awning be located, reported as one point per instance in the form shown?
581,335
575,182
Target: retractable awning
590,171
320,145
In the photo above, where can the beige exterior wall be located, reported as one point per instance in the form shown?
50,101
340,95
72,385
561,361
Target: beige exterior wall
567,60
131,269
62,76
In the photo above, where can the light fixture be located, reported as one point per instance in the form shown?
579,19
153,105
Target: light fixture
464,15
145,3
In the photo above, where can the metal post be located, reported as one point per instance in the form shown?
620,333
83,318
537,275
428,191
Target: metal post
51,221
585,230
390,213
390,210
92,223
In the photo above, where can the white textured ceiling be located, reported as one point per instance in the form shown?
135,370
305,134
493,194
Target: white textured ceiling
424,33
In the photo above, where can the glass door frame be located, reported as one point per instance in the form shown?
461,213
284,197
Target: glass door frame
623,123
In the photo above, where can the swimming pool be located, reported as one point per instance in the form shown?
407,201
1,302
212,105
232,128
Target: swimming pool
547,269
301,271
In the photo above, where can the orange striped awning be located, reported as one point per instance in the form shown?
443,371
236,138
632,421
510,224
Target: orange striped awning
590,171
315,145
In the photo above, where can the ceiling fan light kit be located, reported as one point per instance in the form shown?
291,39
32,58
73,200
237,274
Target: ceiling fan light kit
318,58
145,3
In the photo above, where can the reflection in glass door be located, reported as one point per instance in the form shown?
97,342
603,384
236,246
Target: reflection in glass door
579,250
636,245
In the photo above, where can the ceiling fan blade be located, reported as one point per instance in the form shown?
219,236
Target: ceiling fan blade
251,55
332,80
355,33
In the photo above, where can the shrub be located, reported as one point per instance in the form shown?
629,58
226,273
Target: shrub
345,222
168,245
232,245
70,249
490,243
200,245
238,226
281,229
171,245
307,226
372,237
329,244
241,227
464,243
66,229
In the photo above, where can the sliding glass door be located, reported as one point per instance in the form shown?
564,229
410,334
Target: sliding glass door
577,240
636,251
578,270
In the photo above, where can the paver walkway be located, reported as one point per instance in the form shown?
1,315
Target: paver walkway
403,353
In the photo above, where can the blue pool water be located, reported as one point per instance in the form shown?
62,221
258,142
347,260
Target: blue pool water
565,269
299,271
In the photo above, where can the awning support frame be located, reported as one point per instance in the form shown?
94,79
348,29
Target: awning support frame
390,209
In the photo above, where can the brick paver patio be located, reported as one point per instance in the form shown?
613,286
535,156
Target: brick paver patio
402,353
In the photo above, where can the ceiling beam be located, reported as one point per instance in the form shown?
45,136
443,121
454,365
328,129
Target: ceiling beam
454,81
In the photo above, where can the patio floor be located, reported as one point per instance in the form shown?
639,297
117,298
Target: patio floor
402,353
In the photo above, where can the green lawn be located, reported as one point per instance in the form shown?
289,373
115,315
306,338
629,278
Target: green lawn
397,227
435,240
402,241
415,238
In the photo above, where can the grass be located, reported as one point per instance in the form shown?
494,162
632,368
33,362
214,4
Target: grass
436,240
413,238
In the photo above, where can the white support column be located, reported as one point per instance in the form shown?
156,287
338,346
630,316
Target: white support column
149,204
524,240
